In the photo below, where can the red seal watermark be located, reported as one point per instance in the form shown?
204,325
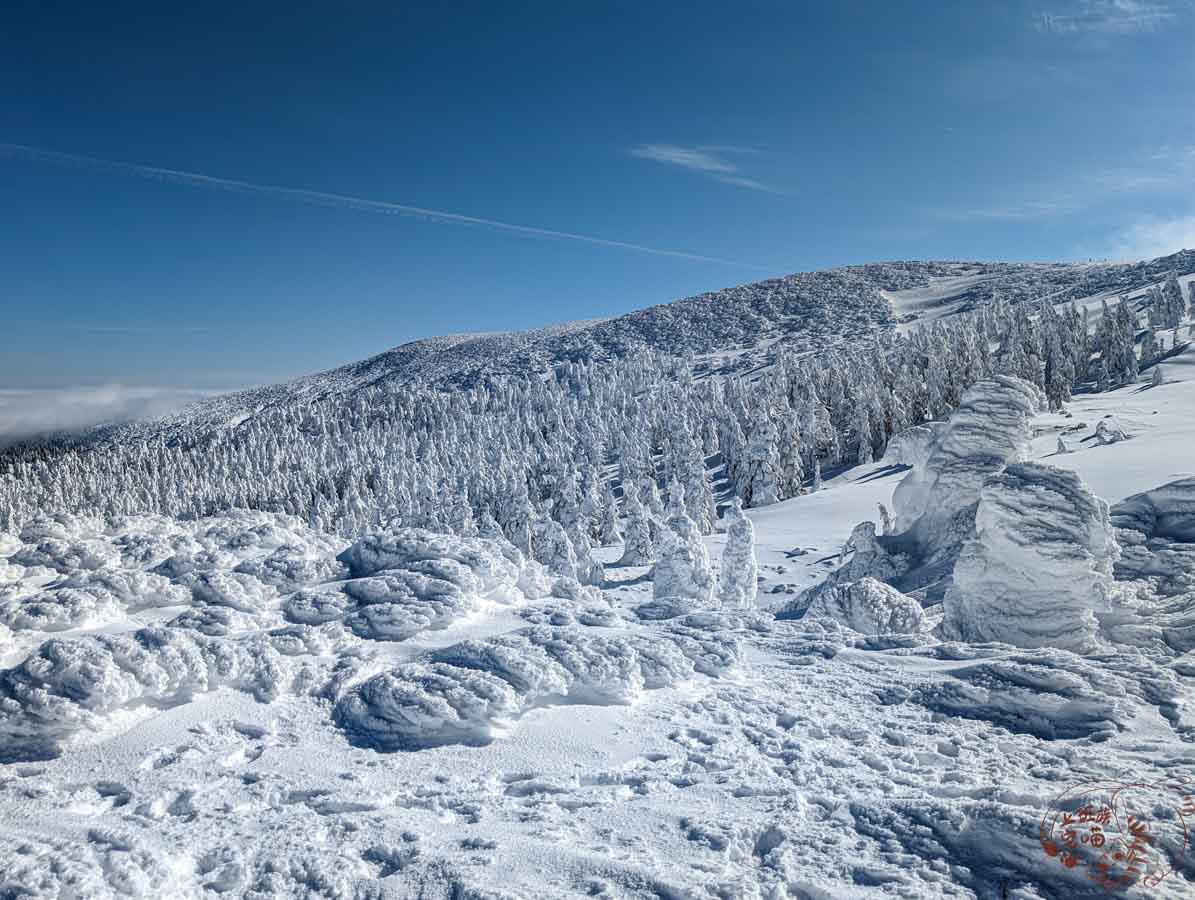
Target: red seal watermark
1121,833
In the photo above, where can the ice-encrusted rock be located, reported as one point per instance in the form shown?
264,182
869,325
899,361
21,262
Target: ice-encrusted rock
465,693
69,686
1110,431
867,606
1039,566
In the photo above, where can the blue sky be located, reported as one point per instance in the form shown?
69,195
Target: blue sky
752,139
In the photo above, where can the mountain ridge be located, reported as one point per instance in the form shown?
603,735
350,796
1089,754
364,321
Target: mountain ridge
805,311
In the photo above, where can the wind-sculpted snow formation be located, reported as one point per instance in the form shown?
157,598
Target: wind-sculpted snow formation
1166,512
1039,566
71,686
1021,553
935,502
242,601
468,692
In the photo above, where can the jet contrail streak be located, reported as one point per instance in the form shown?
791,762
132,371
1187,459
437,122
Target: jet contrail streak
339,201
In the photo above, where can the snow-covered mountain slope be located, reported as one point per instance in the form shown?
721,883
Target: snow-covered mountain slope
734,329
241,707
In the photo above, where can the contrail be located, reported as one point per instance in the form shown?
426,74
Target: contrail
338,201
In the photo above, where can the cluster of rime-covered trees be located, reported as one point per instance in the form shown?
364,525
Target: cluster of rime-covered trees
577,456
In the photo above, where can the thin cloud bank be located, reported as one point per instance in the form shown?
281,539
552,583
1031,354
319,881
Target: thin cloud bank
705,160
1150,238
1109,17
1165,170
35,413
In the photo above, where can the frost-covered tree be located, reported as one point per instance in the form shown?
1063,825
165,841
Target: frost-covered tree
553,548
1149,348
737,584
518,515
420,454
759,483
639,548
589,570
683,568
885,520
488,527
609,532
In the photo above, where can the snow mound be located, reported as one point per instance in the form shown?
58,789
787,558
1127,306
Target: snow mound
1039,566
1163,512
69,686
411,580
466,693
867,606
395,606
494,563
288,567
1052,694
86,599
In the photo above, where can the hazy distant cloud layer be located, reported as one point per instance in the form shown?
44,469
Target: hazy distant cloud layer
36,413
1154,237
1108,17
707,160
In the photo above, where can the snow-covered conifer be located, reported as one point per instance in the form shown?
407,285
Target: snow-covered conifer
609,533
552,547
639,548
759,483
737,585
683,568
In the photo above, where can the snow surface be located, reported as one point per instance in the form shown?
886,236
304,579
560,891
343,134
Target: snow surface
241,707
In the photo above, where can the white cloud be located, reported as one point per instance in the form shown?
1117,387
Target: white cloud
685,157
707,160
1160,172
1109,17
38,412
1020,211
1153,237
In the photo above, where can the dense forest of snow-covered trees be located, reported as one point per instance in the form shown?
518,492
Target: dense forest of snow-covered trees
518,451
